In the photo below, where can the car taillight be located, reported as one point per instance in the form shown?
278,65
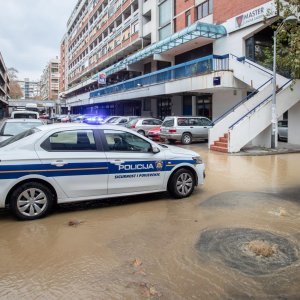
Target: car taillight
132,126
172,130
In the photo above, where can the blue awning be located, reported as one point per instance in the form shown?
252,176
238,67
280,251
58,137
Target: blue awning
192,32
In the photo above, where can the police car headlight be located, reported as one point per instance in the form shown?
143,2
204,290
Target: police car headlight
198,160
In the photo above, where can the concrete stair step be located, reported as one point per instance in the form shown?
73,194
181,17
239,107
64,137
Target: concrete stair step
223,140
221,144
219,149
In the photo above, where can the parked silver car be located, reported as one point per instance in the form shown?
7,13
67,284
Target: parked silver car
143,125
122,120
283,130
110,119
185,129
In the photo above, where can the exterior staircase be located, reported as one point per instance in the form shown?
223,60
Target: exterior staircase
221,145
248,118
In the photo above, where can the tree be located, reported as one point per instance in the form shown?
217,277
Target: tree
15,89
288,39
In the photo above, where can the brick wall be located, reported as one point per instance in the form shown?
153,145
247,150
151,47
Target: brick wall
181,6
226,9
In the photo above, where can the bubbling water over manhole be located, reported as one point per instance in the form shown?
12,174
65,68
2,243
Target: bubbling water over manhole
251,251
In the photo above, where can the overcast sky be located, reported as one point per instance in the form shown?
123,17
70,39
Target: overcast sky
31,32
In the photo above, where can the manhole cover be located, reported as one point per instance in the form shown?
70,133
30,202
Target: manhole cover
253,252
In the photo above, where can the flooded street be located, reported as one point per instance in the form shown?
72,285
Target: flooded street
153,247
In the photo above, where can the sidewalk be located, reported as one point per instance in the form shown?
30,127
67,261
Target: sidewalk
283,148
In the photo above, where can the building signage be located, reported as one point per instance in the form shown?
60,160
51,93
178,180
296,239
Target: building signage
101,78
217,80
250,17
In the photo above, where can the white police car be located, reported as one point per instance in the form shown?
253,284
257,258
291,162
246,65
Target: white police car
75,162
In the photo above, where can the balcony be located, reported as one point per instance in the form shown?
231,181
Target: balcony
201,66
147,28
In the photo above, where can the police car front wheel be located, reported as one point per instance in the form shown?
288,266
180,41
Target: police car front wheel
182,183
31,200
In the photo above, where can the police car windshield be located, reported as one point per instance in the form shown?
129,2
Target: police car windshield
18,137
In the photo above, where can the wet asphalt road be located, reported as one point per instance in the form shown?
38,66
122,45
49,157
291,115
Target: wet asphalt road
154,247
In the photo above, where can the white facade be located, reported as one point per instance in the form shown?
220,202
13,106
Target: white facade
50,80
31,89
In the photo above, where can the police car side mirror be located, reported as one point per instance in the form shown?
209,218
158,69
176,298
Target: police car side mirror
155,149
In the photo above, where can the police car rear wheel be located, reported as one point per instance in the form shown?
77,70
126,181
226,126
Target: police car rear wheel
182,183
31,200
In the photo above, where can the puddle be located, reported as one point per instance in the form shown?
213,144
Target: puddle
93,257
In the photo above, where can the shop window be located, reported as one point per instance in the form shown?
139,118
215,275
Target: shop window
187,105
147,104
164,108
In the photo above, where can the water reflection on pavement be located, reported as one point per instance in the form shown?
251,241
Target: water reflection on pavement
147,246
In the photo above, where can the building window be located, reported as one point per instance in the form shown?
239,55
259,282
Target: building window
135,28
165,32
204,9
188,20
165,13
165,16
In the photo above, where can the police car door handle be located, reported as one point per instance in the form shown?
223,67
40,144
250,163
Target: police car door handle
59,163
118,162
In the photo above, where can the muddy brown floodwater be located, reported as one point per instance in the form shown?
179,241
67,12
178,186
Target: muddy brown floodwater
153,247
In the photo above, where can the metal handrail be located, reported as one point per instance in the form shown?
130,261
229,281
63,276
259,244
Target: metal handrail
195,67
245,99
258,105
243,58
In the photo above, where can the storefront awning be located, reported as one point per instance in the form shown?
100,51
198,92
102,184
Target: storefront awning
192,32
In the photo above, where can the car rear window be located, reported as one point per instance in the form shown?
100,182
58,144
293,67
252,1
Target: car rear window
25,116
19,137
132,121
111,120
168,123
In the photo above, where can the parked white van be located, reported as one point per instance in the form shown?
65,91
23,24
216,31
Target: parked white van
24,114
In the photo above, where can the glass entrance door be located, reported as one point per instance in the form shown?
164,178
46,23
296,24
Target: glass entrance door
204,105
164,108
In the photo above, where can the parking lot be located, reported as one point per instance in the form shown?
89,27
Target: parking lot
155,247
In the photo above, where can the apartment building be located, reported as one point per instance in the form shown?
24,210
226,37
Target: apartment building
30,89
4,89
50,80
173,57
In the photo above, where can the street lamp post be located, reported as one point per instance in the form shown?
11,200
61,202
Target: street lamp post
274,140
